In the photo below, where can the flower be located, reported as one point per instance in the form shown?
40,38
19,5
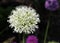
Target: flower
24,19
32,39
51,5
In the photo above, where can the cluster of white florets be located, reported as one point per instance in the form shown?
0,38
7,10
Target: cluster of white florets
24,19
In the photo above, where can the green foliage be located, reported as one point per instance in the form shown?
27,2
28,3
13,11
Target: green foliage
53,42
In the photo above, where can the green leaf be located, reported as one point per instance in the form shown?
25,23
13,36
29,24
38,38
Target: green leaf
53,42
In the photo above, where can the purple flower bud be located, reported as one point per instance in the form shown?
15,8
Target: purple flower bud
51,5
32,39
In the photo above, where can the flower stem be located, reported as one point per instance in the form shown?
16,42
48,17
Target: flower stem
23,38
46,32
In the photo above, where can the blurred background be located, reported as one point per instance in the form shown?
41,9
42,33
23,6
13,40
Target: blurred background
6,33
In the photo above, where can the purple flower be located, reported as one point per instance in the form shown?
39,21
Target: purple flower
51,5
32,39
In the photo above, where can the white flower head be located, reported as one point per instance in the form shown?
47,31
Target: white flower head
24,19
